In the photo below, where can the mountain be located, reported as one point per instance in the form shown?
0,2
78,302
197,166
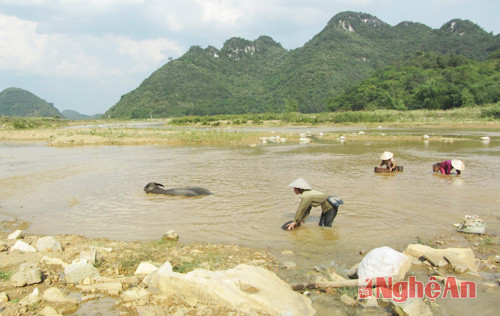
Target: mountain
19,102
261,76
74,115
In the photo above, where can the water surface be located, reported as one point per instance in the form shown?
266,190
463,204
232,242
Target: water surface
97,191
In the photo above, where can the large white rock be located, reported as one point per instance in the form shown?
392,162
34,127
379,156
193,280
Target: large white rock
145,268
22,246
55,295
77,272
456,256
16,235
29,273
246,288
48,243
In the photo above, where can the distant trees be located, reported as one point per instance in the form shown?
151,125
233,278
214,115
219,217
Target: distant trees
426,81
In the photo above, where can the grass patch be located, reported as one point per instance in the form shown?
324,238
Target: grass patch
5,275
483,113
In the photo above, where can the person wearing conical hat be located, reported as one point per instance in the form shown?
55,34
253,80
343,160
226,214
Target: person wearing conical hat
388,160
312,198
447,166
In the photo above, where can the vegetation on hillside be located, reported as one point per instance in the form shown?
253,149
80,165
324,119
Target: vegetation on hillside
260,76
427,81
21,103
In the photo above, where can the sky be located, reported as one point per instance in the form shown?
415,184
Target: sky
83,55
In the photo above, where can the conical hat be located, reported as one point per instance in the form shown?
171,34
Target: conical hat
300,183
386,155
458,164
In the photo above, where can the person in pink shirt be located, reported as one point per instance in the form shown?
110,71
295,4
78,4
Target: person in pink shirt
447,166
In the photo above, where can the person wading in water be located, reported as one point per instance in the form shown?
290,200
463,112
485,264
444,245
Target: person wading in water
329,205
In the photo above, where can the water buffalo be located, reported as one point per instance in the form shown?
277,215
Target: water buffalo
153,187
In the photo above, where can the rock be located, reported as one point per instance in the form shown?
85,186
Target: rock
150,311
412,307
460,256
384,262
287,253
456,263
371,302
48,243
53,261
29,273
135,294
64,303
31,299
22,246
91,256
145,268
244,288
288,265
4,298
78,271
170,235
56,296
16,235
347,300
49,311
3,247
111,288
353,272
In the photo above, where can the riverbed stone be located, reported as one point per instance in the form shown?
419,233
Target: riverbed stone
31,299
28,273
412,307
22,246
347,300
113,288
170,235
460,256
49,311
53,261
145,268
16,234
48,243
56,296
91,256
4,298
245,288
78,271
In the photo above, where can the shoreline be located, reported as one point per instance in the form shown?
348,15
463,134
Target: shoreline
231,135
119,259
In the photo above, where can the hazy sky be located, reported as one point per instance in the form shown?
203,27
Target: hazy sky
84,55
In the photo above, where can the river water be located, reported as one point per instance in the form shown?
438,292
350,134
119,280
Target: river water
97,191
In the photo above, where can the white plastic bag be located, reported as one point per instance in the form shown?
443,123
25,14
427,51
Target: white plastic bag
383,262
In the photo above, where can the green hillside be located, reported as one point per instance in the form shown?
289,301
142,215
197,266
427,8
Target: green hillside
426,81
21,103
260,76
74,115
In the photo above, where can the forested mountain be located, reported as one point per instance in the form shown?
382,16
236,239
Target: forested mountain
426,81
74,115
19,102
261,76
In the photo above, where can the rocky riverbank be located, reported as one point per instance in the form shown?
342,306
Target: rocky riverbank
54,275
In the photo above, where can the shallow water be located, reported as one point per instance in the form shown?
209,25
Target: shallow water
97,191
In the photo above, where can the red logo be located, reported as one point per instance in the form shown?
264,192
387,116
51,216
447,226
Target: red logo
400,291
